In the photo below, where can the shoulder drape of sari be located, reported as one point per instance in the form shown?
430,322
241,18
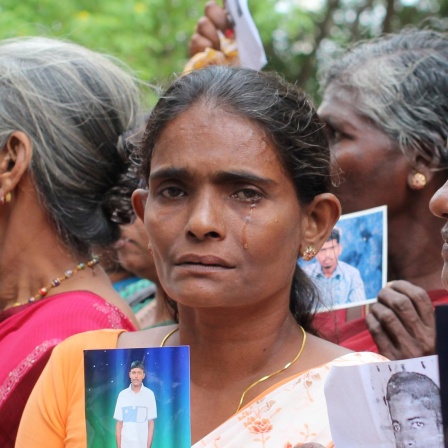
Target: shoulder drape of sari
291,413
28,335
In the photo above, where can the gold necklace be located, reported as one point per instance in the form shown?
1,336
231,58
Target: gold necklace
58,280
264,378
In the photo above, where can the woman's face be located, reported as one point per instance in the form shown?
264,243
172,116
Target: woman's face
222,215
439,207
133,253
374,171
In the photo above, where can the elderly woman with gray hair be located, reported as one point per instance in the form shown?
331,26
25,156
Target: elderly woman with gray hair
62,111
385,105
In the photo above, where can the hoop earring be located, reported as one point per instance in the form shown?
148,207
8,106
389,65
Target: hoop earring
309,253
417,181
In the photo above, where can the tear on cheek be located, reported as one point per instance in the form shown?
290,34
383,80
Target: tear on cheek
247,221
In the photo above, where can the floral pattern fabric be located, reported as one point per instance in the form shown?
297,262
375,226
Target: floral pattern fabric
292,413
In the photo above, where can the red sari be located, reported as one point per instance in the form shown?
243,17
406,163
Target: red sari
28,334
354,335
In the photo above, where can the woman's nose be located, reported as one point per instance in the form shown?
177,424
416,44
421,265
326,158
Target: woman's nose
439,202
205,218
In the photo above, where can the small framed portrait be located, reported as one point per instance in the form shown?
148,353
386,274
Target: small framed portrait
392,404
351,267
138,398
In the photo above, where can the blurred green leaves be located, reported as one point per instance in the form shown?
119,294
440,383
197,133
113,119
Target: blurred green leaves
152,35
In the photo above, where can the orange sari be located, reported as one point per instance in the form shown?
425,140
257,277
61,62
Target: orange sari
292,412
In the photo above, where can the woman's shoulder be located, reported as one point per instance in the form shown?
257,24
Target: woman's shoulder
80,311
355,358
152,337
90,340
328,353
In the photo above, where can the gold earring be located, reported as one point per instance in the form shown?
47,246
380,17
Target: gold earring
8,197
417,181
309,253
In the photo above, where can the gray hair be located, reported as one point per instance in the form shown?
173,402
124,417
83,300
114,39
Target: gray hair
401,84
73,104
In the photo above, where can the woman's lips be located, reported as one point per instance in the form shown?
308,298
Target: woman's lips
124,242
445,246
203,263
445,233
120,243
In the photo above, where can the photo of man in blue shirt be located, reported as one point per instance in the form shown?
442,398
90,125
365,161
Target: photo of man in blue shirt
338,282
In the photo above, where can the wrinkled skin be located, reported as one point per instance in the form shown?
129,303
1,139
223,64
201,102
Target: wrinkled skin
402,321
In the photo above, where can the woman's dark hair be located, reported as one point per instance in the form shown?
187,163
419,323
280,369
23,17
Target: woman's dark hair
287,116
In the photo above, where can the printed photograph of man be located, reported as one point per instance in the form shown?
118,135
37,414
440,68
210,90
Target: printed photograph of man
415,410
135,411
338,282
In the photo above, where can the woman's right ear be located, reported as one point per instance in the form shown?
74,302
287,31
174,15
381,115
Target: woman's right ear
139,198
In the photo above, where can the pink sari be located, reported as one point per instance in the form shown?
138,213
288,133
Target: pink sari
28,334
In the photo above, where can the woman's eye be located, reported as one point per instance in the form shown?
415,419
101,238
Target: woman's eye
334,136
418,424
172,192
337,135
247,195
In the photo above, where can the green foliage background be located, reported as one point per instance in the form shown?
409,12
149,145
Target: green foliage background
152,35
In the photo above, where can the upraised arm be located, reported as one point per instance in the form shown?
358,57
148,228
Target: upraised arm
206,33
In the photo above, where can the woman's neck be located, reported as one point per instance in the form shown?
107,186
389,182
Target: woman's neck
30,257
156,312
414,249
231,350
218,338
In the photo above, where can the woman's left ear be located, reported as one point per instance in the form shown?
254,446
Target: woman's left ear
322,215
15,158
138,202
419,174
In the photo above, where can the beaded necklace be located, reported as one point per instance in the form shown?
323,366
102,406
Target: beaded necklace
58,280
